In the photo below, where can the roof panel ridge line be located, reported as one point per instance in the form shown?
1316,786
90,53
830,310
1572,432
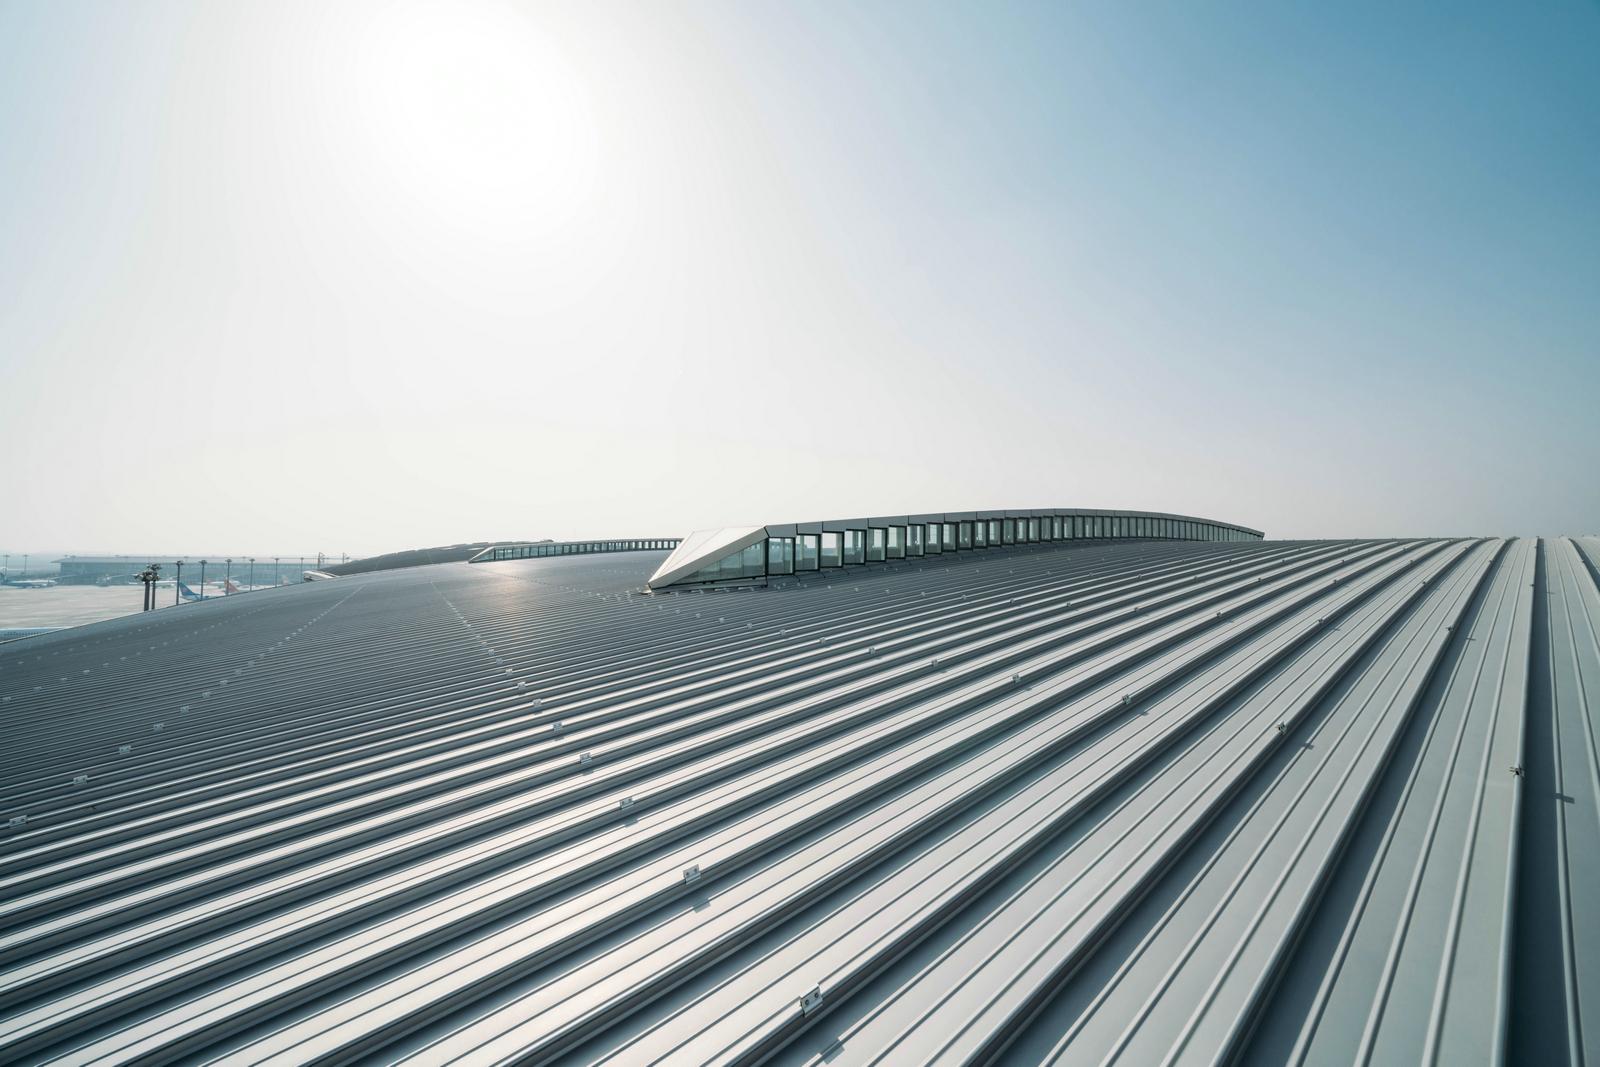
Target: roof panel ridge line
1388,572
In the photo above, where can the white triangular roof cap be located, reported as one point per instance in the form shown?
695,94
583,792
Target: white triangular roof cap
703,547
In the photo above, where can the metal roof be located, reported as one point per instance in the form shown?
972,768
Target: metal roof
1313,802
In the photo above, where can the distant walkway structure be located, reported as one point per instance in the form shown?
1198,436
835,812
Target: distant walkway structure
755,553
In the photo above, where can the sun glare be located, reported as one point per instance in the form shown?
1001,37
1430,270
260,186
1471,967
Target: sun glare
475,118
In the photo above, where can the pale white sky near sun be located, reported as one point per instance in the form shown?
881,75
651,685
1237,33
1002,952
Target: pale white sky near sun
361,276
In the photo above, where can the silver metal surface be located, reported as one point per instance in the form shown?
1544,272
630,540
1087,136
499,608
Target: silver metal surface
1148,802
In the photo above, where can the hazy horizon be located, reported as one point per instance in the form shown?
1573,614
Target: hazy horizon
370,277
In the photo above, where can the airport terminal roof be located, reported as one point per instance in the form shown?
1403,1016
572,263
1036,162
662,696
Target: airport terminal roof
1141,802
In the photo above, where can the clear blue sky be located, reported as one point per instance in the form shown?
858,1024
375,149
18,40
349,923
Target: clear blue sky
401,274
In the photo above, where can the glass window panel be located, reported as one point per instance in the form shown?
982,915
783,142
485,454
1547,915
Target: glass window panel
876,537
949,536
753,561
914,539
897,542
930,538
964,535
832,549
855,546
806,551
780,555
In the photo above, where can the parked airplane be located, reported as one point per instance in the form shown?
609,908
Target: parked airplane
32,583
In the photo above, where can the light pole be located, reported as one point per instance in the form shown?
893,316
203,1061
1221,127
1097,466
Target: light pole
227,576
202,579
277,575
148,576
252,575
177,581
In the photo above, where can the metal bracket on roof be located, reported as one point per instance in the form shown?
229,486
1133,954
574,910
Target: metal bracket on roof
625,802
1516,769
691,873
584,759
160,726
17,820
123,750
555,727
80,779
811,1001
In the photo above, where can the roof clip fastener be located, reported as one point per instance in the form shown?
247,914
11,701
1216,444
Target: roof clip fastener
811,1001
160,726
123,750
555,727
1516,769
80,779
625,802
691,873
1283,727
584,759
16,820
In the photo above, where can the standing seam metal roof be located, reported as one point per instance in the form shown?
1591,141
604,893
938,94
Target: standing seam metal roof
1312,802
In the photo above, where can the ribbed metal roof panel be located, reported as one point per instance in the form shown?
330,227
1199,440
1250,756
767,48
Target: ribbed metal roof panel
1316,802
